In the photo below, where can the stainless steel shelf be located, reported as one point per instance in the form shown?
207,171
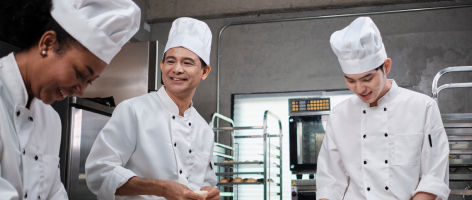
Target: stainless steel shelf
256,136
461,192
460,177
237,128
460,163
235,173
223,155
242,183
239,163
460,152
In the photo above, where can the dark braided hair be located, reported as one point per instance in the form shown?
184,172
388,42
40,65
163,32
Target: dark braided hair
23,22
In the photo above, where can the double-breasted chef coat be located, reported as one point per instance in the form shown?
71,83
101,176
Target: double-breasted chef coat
29,141
146,137
390,151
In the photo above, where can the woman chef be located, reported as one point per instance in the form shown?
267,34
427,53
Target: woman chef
157,146
64,46
387,142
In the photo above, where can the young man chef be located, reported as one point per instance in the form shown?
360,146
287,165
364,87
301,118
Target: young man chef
157,146
386,143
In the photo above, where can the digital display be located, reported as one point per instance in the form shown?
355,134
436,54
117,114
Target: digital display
311,104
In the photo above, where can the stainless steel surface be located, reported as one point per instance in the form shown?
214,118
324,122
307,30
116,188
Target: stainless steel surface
457,116
299,143
223,28
234,173
436,89
239,163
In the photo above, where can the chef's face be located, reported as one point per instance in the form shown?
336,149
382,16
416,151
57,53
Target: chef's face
369,86
66,72
182,71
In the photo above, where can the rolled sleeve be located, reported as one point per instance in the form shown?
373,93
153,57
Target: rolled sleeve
433,185
117,178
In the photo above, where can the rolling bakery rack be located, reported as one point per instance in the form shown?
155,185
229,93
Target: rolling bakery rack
458,127
265,173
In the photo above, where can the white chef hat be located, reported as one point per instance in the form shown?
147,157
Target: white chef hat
359,46
192,34
102,26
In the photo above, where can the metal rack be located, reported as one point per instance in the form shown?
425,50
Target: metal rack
458,127
227,163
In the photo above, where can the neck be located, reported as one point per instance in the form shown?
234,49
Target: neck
387,86
183,101
24,65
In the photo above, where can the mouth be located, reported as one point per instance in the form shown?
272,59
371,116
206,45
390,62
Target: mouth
178,79
365,96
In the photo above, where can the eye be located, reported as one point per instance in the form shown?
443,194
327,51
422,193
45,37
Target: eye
78,75
170,61
368,79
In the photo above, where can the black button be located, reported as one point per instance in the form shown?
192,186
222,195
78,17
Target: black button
364,136
39,197
26,195
17,113
365,162
368,188
175,144
386,135
24,152
385,109
173,117
30,118
386,161
386,187
180,171
36,157
363,111
190,151
190,124
188,178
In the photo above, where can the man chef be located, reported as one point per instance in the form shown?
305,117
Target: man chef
157,146
386,143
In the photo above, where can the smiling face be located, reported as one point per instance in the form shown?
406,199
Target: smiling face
65,74
53,71
182,71
370,86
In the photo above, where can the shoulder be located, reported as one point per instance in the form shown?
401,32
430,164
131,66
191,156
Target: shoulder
200,120
346,107
414,98
142,102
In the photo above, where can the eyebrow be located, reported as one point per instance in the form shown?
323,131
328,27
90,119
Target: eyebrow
367,75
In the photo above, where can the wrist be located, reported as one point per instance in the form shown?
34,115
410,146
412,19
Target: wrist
160,188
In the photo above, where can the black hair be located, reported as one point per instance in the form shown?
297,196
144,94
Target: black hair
381,67
23,22
201,60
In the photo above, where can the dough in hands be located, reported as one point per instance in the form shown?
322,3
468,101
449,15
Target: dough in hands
202,192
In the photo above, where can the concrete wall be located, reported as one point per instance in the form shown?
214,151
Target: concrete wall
296,56
167,9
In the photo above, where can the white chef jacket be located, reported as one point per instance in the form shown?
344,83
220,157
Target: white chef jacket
146,137
29,141
390,151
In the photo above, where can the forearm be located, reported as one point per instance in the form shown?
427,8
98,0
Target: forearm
142,186
424,196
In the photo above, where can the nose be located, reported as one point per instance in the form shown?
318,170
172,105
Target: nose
178,68
80,89
359,88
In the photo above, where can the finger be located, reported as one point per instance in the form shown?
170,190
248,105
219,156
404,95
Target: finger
194,196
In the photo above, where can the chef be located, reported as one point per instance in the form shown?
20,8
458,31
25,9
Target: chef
157,146
64,46
386,142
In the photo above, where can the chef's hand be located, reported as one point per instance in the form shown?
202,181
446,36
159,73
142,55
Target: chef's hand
213,193
177,191
424,196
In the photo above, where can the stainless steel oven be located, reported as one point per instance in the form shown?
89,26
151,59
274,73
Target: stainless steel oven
306,129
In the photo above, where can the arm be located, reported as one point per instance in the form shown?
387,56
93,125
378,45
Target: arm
210,179
110,152
330,178
434,158
169,189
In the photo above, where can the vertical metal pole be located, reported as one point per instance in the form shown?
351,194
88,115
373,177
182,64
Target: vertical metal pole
265,155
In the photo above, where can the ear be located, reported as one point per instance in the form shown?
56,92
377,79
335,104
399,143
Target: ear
206,72
47,42
387,65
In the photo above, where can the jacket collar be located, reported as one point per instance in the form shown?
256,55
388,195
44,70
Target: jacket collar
170,105
13,81
391,93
